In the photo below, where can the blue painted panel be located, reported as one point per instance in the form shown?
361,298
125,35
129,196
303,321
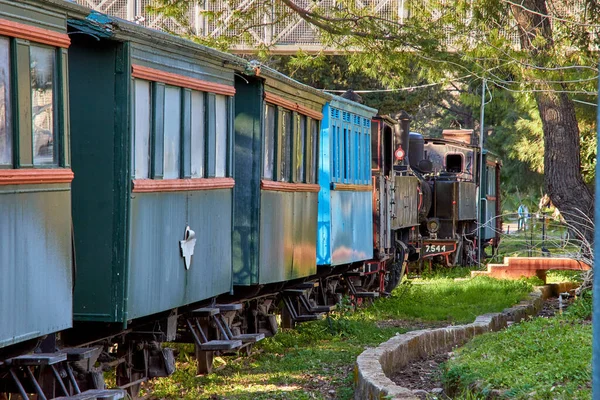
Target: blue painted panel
158,222
35,261
345,231
351,227
325,179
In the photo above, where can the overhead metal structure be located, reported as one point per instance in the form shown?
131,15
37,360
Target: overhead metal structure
286,32
285,36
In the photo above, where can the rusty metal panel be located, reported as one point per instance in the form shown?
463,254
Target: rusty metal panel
445,196
467,201
351,227
158,278
35,261
288,233
406,197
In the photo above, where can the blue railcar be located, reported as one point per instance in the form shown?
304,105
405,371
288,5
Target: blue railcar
345,228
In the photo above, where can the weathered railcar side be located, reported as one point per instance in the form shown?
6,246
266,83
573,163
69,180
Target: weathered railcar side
36,268
152,153
277,132
345,229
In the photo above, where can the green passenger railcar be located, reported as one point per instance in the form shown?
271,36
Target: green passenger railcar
276,156
152,123
35,175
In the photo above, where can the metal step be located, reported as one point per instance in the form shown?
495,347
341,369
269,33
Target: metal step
294,292
370,295
37,359
79,354
354,273
221,345
249,337
204,312
229,307
307,285
322,309
96,394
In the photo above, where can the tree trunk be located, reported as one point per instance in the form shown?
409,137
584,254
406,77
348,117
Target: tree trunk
562,163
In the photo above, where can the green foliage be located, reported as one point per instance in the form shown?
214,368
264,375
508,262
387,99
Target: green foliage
544,358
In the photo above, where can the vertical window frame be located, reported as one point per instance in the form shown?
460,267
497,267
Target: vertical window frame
221,138
284,150
9,109
270,146
136,150
56,131
198,158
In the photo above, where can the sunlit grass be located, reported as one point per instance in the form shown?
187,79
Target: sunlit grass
316,360
545,358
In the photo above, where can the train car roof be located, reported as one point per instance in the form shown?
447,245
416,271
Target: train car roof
341,102
271,75
99,25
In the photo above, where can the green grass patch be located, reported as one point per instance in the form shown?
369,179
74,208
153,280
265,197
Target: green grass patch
316,360
543,358
449,300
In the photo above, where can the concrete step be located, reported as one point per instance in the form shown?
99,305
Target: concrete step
518,267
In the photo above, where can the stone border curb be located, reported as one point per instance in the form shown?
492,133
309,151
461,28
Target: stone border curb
374,366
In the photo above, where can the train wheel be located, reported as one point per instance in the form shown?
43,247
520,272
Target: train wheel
131,374
394,276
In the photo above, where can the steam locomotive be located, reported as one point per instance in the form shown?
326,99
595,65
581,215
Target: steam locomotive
155,190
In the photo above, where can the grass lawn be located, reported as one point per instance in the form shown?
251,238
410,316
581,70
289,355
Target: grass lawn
544,358
316,360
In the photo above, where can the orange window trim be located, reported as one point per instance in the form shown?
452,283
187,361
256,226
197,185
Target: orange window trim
33,33
289,187
345,187
180,185
169,78
35,176
293,106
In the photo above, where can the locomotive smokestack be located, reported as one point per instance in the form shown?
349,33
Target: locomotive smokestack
401,134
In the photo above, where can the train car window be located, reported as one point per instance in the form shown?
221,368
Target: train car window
197,139
300,147
269,155
5,106
454,163
491,180
345,155
367,147
141,145
359,155
285,144
221,139
311,174
43,73
375,148
334,151
172,129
